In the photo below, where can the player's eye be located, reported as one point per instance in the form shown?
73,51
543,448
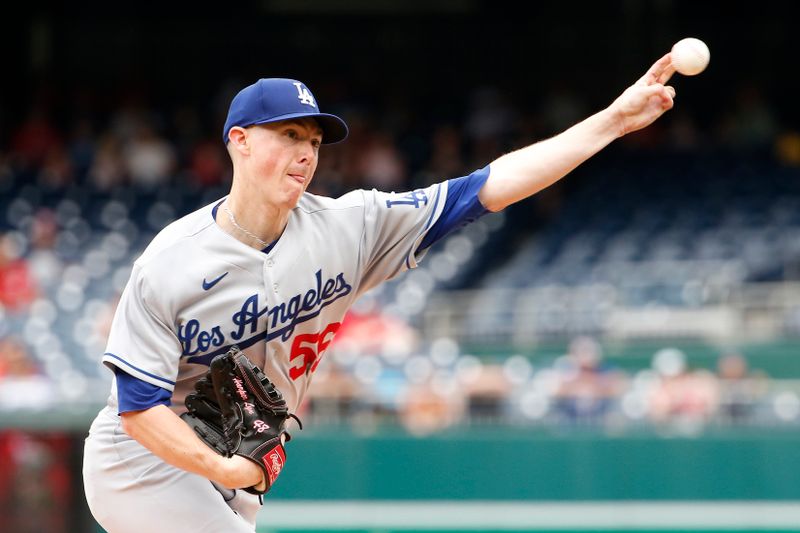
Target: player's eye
292,134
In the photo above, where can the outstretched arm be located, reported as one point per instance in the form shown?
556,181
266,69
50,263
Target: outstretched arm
520,174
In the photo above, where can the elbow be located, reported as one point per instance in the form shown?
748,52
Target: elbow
130,423
491,201
494,207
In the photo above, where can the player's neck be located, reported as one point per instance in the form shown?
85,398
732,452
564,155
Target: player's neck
255,225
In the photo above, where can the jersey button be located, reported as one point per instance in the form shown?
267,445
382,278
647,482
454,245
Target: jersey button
275,287
270,263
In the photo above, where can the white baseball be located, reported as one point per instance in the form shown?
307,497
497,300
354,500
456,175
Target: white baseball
690,56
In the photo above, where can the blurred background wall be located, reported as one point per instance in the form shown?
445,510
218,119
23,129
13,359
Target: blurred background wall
630,334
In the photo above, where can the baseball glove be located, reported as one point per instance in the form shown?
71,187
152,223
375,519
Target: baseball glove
237,410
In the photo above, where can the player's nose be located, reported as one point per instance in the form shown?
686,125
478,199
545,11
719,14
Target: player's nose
306,153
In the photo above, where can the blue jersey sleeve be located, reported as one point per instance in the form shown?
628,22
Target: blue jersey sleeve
136,395
461,206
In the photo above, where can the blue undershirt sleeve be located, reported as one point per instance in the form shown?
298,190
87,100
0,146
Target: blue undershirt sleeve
461,206
133,394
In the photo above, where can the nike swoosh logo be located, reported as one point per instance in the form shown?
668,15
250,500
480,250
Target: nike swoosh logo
210,284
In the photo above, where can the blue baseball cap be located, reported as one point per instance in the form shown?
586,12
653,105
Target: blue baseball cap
274,99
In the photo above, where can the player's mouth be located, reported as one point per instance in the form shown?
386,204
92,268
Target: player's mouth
300,178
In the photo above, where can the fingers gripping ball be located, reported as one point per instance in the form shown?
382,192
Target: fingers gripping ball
690,56
237,410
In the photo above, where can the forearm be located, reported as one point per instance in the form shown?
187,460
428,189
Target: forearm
163,432
522,173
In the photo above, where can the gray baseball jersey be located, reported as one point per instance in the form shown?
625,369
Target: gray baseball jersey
196,290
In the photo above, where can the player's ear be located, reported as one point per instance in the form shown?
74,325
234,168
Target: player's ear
237,137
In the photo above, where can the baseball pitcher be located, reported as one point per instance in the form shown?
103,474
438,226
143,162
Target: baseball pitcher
230,309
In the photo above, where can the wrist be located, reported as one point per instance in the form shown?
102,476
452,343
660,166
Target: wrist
241,472
261,486
613,120
224,472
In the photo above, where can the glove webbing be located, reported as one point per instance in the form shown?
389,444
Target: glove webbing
271,398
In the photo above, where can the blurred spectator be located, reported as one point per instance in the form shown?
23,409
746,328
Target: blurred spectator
588,388
486,390
108,168
82,147
428,407
740,389
131,112
208,163
22,386
381,165
682,397
371,331
17,284
35,482
14,360
45,264
335,396
35,139
56,171
149,160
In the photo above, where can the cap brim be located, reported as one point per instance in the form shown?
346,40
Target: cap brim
334,129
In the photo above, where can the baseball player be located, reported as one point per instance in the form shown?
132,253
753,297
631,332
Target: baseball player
273,269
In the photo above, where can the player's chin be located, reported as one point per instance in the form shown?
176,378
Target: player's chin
292,195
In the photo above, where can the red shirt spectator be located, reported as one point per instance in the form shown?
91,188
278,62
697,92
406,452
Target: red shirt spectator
17,286
35,139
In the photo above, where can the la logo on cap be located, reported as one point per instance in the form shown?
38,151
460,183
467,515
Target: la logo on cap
304,95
